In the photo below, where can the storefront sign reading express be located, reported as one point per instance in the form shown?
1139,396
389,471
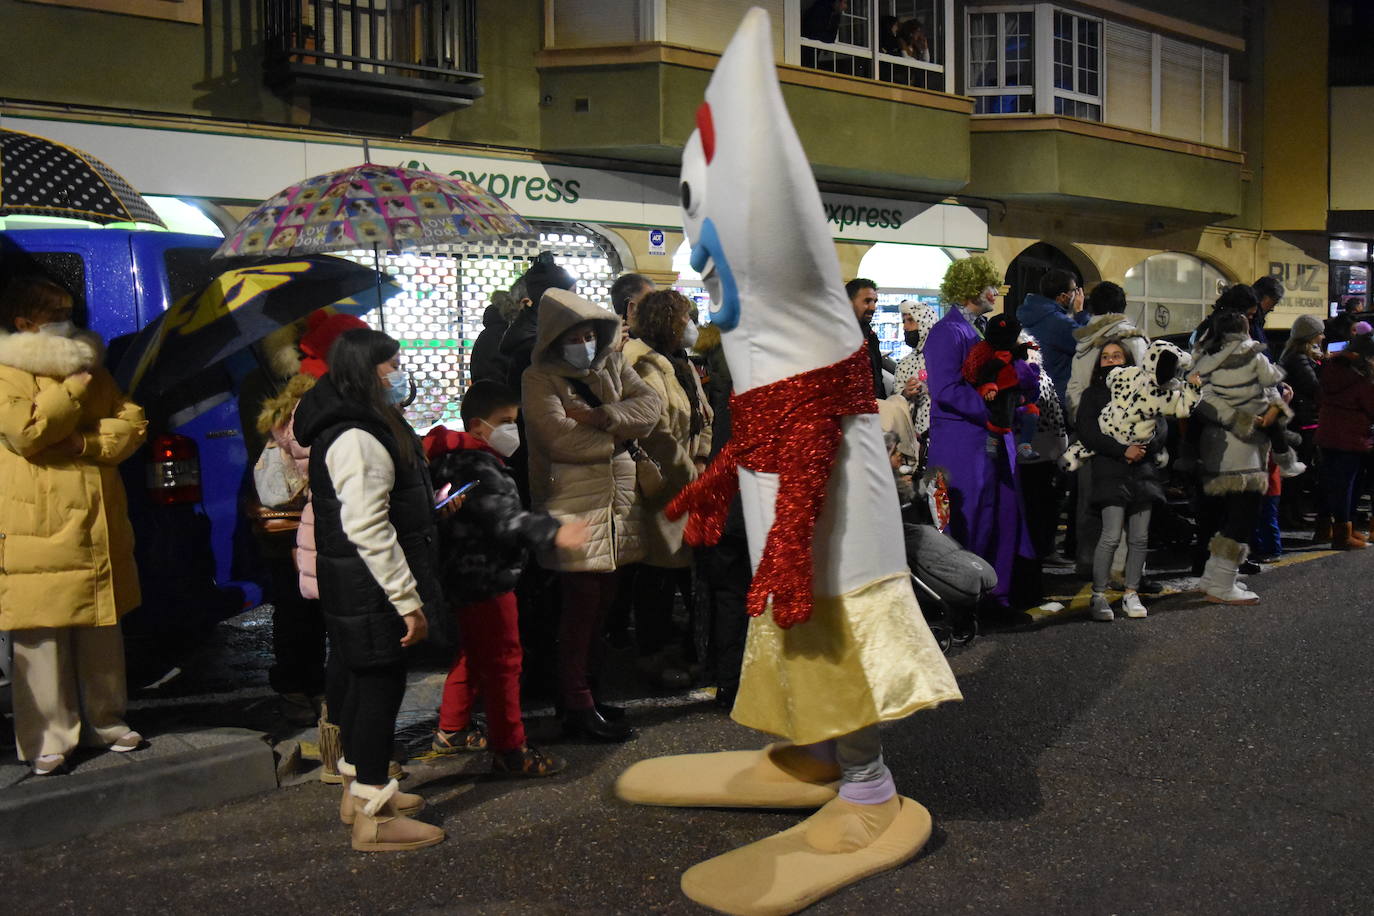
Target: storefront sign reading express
230,167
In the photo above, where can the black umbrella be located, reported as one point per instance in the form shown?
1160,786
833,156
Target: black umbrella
235,310
41,177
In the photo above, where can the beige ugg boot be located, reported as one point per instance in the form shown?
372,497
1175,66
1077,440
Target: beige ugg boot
331,749
406,803
379,827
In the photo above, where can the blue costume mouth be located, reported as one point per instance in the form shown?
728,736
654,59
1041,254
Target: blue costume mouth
708,258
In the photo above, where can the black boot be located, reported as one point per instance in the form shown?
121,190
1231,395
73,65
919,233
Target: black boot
588,723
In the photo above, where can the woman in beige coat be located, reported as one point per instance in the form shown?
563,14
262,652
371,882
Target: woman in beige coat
583,404
67,570
664,324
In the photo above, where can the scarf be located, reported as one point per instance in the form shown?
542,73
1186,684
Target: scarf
790,428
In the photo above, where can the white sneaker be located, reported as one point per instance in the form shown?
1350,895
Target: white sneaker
1131,606
1102,608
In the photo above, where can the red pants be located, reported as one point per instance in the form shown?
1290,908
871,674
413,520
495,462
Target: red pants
490,660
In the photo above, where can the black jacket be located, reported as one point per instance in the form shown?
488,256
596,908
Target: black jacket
487,360
1116,482
364,627
1302,378
483,547
517,345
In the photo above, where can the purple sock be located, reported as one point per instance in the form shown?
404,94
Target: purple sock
824,751
871,792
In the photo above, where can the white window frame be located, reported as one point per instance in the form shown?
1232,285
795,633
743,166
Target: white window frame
1048,12
1001,88
795,42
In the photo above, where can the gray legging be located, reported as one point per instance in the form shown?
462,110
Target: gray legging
1137,525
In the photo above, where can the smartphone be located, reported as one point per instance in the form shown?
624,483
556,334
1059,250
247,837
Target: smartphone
455,494
1337,346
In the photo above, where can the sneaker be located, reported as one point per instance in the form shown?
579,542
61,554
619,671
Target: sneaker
1102,609
1250,568
527,761
1131,606
1026,452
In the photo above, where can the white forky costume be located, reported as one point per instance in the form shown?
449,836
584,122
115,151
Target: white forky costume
845,646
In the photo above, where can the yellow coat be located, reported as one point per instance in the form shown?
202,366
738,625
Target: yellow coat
66,545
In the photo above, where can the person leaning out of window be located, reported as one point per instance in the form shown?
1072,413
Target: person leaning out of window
67,570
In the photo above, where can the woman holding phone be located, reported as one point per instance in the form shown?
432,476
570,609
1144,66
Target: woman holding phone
375,534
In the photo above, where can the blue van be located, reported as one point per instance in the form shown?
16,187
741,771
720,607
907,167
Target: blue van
195,557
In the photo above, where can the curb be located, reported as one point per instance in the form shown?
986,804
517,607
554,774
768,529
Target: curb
60,808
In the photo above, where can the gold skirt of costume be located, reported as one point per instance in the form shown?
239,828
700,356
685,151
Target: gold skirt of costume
864,657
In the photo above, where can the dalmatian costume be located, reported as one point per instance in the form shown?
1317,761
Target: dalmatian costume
1140,395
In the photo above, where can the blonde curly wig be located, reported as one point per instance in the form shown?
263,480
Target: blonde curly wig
967,278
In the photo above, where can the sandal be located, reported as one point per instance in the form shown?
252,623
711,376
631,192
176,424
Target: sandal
527,761
465,741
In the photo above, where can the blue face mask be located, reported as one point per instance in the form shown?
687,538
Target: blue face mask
397,386
580,355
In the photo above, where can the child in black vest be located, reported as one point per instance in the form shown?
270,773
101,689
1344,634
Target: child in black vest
483,548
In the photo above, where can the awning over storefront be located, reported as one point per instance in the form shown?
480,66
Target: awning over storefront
238,167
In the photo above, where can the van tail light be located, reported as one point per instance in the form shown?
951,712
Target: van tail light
173,473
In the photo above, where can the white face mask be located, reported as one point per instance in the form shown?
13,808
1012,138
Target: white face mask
690,335
581,354
503,439
58,328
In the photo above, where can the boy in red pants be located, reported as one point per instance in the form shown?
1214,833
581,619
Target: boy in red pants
483,548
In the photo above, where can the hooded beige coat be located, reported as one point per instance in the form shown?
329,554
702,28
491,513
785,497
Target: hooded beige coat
66,545
578,471
676,450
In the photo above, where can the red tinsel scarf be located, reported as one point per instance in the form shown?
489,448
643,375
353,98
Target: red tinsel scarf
790,428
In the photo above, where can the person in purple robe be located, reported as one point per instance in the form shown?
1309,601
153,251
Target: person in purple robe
986,514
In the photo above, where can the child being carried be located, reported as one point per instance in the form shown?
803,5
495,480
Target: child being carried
1140,396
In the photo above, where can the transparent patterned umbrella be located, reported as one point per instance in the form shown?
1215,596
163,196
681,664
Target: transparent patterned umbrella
372,206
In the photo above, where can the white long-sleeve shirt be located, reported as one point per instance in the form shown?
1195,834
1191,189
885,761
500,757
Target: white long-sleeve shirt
363,474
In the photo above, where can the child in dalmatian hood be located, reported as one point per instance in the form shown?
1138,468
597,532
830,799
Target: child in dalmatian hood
837,642
1140,395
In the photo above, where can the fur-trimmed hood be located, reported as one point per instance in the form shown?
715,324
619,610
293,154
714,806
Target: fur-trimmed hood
708,339
49,355
277,411
1104,328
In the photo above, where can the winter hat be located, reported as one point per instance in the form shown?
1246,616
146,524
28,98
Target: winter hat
1305,327
1001,331
323,329
544,275
1361,327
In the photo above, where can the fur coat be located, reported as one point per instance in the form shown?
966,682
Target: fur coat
1239,383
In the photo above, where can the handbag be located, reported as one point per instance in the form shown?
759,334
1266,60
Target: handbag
281,493
648,472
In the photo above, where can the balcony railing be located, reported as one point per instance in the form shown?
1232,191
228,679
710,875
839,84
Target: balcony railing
405,47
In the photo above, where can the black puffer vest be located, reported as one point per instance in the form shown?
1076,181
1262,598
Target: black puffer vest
364,626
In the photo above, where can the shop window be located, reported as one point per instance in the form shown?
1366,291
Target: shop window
902,272
894,41
437,312
1349,277
1171,292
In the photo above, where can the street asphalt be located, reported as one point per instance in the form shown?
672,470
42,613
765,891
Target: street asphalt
1205,760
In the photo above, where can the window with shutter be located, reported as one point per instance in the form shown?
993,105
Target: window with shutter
1129,76
1180,105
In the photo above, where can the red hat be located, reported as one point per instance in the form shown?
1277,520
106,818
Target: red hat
322,329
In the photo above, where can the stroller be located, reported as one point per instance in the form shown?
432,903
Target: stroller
949,580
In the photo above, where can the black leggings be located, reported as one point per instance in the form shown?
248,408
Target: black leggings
364,702
1233,516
